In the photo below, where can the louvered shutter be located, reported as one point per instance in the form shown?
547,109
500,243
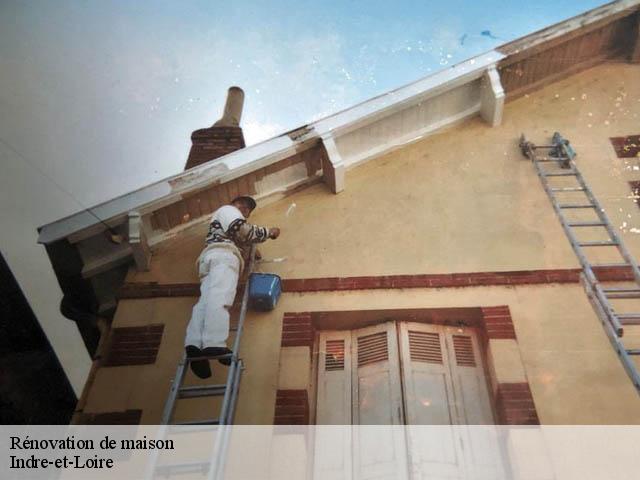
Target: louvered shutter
428,395
482,447
334,379
377,397
469,382
379,451
333,457
427,382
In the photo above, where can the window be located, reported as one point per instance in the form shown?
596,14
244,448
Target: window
402,372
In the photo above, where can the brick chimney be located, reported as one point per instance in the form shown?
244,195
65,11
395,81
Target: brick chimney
225,136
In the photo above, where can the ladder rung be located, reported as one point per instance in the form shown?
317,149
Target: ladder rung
551,159
576,205
603,243
609,265
176,429
619,296
571,173
621,290
629,318
621,293
568,189
633,351
215,421
210,357
587,224
201,391
182,468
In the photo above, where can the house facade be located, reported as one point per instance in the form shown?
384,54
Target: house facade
426,277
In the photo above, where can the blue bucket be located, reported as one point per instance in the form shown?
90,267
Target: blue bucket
264,291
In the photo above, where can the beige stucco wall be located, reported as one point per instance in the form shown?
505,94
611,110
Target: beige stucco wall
461,201
574,373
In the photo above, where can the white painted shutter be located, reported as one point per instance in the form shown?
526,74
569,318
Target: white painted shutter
435,452
428,390
379,447
473,407
333,444
469,381
377,396
334,379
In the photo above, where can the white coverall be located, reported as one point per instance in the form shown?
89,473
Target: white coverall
219,267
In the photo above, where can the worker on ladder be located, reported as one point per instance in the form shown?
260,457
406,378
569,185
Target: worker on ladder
219,266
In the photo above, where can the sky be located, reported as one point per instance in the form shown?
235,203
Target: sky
99,98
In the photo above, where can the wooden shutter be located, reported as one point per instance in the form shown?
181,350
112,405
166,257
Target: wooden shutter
334,379
380,450
469,382
427,380
333,458
377,396
429,400
473,407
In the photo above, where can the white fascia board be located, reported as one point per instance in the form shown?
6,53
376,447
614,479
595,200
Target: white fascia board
611,11
169,190
262,154
395,100
275,149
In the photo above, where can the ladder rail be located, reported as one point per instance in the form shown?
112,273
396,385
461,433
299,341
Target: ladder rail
584,262
602,215
169,406
595,292
231,386
623,353
224,431
231,375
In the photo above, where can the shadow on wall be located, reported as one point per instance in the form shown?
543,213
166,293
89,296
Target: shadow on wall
33,386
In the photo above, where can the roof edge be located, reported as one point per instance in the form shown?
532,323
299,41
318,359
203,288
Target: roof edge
268,151
281,146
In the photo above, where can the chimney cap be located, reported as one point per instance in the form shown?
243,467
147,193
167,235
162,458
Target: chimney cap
232,108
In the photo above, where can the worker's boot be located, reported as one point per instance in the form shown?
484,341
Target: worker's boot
200,367
216,352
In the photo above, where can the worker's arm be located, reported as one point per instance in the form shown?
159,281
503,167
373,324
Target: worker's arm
243,232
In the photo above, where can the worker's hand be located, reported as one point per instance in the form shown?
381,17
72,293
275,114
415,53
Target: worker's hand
274,233
258,255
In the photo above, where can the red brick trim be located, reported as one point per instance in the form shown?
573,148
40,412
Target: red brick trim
522,277
297,330
626,147
127,417
447,280
514,401
514,404
292,407
154,289
497,322
134,345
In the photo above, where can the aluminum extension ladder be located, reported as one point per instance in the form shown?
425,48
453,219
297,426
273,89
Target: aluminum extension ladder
562,154
213,466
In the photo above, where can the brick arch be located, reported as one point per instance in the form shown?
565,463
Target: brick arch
513,400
